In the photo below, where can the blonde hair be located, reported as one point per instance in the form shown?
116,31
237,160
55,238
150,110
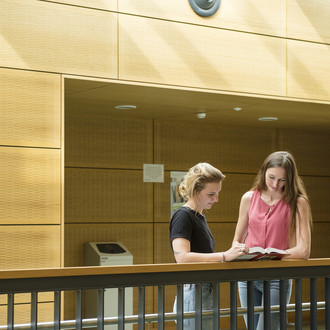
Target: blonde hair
196,179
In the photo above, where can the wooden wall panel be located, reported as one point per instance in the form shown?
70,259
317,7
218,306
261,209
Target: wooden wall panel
22,298
180,145
308,20
30,186
320,240
310,149
259,16
200,56
308,70
30,108
22,313
97,4
107,196
319,194
26,247
226,210
96,139
56,38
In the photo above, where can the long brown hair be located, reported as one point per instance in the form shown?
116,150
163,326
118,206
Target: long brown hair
294,186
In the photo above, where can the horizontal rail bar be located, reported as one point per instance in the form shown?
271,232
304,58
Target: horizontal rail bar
153,318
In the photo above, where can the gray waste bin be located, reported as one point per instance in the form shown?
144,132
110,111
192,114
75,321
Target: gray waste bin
108,254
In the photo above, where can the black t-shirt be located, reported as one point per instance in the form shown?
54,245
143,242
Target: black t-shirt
188,224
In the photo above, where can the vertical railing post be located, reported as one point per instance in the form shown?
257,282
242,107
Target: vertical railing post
327,303
283,289
233,305
313,300
10,311
121,308
198,306
179,307
141,308
161,307
57,310
78,309
298,303
250,304
216,306
267,304
34,310
100,309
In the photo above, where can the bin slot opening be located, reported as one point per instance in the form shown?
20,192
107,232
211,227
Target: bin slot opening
110,248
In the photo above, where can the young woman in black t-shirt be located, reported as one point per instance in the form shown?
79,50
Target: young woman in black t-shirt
190,236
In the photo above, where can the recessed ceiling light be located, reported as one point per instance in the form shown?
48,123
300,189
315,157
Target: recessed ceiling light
268,118
125,107
237,108
201,115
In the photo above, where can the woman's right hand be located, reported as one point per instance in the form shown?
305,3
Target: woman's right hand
237,249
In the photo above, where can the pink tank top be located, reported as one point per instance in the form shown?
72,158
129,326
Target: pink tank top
268,225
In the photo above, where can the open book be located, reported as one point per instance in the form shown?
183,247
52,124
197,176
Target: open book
258,253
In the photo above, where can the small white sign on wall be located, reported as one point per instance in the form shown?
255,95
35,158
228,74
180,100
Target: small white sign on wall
153,173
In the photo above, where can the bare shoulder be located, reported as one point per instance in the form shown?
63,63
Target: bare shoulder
302,203
247,196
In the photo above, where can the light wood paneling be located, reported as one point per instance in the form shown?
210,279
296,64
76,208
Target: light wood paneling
200,56
22,313
30,108
320,240
308,70
97,139
181,145
97,4
26,247
234,186
311,150
30,186
47,36
259,16
21,298
308,20
319,194
107,196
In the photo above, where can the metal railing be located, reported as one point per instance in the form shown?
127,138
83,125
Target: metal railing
160,276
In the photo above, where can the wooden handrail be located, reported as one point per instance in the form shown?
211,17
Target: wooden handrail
156,268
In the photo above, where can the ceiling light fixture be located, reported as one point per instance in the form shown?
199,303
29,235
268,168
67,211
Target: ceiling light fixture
125,107
201,115
268,118
237,109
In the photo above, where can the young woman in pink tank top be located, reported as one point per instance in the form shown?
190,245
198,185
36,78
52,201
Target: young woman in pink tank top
274,213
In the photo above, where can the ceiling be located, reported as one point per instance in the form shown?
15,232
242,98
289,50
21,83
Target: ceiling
164,103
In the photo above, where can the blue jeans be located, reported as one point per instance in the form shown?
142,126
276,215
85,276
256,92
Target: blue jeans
189,305
258,301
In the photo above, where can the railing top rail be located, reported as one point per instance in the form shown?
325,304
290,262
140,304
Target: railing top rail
159,268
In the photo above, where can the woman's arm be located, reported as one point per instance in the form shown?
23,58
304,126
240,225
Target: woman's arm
182,253
302,248
243,218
